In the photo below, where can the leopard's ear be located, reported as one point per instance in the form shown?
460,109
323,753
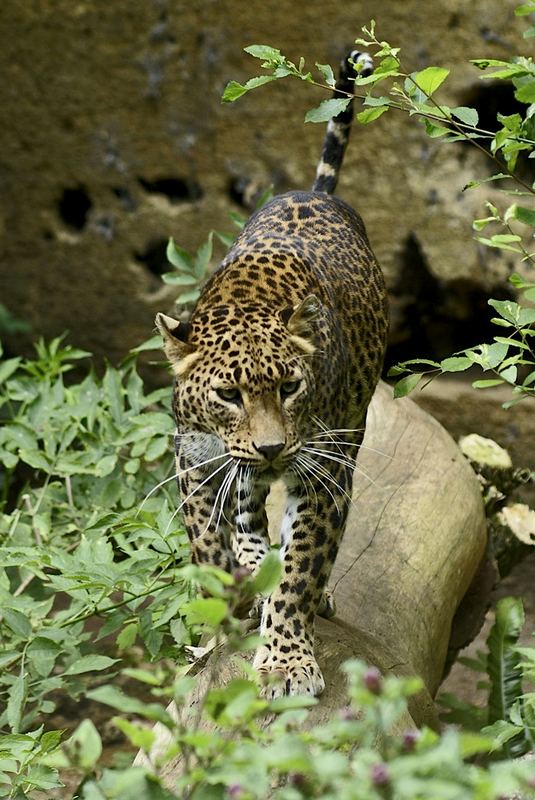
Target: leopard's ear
299,320
175,343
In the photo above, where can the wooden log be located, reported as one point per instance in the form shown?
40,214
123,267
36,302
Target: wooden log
415,539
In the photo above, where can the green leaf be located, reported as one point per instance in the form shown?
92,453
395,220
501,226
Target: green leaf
486,384
480,224
268,576
42,654
369,114
17,699
188,297
327,109
18,622
154,343
203,257
497,242
430,78
509,374
406,385
526,316
84,746
525,215
157,448
503,661
501,732
7,368
233,89
497,177
127,637
265,52
111,696
524,9
435,131
90,663
526,92
327,74
467,115
507,309
455,364
105,466
139,736
35,459
179,279
205,611
179,257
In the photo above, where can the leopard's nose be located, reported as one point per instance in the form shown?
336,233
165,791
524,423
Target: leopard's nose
269,451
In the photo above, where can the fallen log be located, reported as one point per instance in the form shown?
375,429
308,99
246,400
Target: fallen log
415,541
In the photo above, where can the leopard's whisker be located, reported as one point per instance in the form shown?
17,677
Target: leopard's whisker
240,483
315,469
301,472
195,490
220,498
343,459
341,443
155,489
328,476
176,475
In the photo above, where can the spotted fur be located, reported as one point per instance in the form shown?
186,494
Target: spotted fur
274,374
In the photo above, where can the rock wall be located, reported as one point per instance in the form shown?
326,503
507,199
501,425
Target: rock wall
114,138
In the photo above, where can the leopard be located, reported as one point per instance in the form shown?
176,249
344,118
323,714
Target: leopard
273,375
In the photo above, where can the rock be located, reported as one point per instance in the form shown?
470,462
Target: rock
114,138
414,542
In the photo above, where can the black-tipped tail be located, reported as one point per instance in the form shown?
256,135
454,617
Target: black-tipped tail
337,136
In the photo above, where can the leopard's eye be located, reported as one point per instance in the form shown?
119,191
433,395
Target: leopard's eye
289,387
230,395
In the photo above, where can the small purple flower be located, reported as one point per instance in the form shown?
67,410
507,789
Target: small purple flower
380,775
409,739
373,680
234,791
348,714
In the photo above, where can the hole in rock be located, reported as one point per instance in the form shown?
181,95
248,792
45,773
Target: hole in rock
74,206
154,258
432,318
176,190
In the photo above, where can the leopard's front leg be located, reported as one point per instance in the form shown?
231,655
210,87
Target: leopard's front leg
312,529
250,541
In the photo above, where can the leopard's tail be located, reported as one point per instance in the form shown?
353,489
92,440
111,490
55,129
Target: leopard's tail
337,136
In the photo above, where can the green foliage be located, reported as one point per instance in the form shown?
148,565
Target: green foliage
78,460
509,715
510,359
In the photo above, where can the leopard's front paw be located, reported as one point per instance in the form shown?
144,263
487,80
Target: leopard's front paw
289,675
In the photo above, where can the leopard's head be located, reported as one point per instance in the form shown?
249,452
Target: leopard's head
244,374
